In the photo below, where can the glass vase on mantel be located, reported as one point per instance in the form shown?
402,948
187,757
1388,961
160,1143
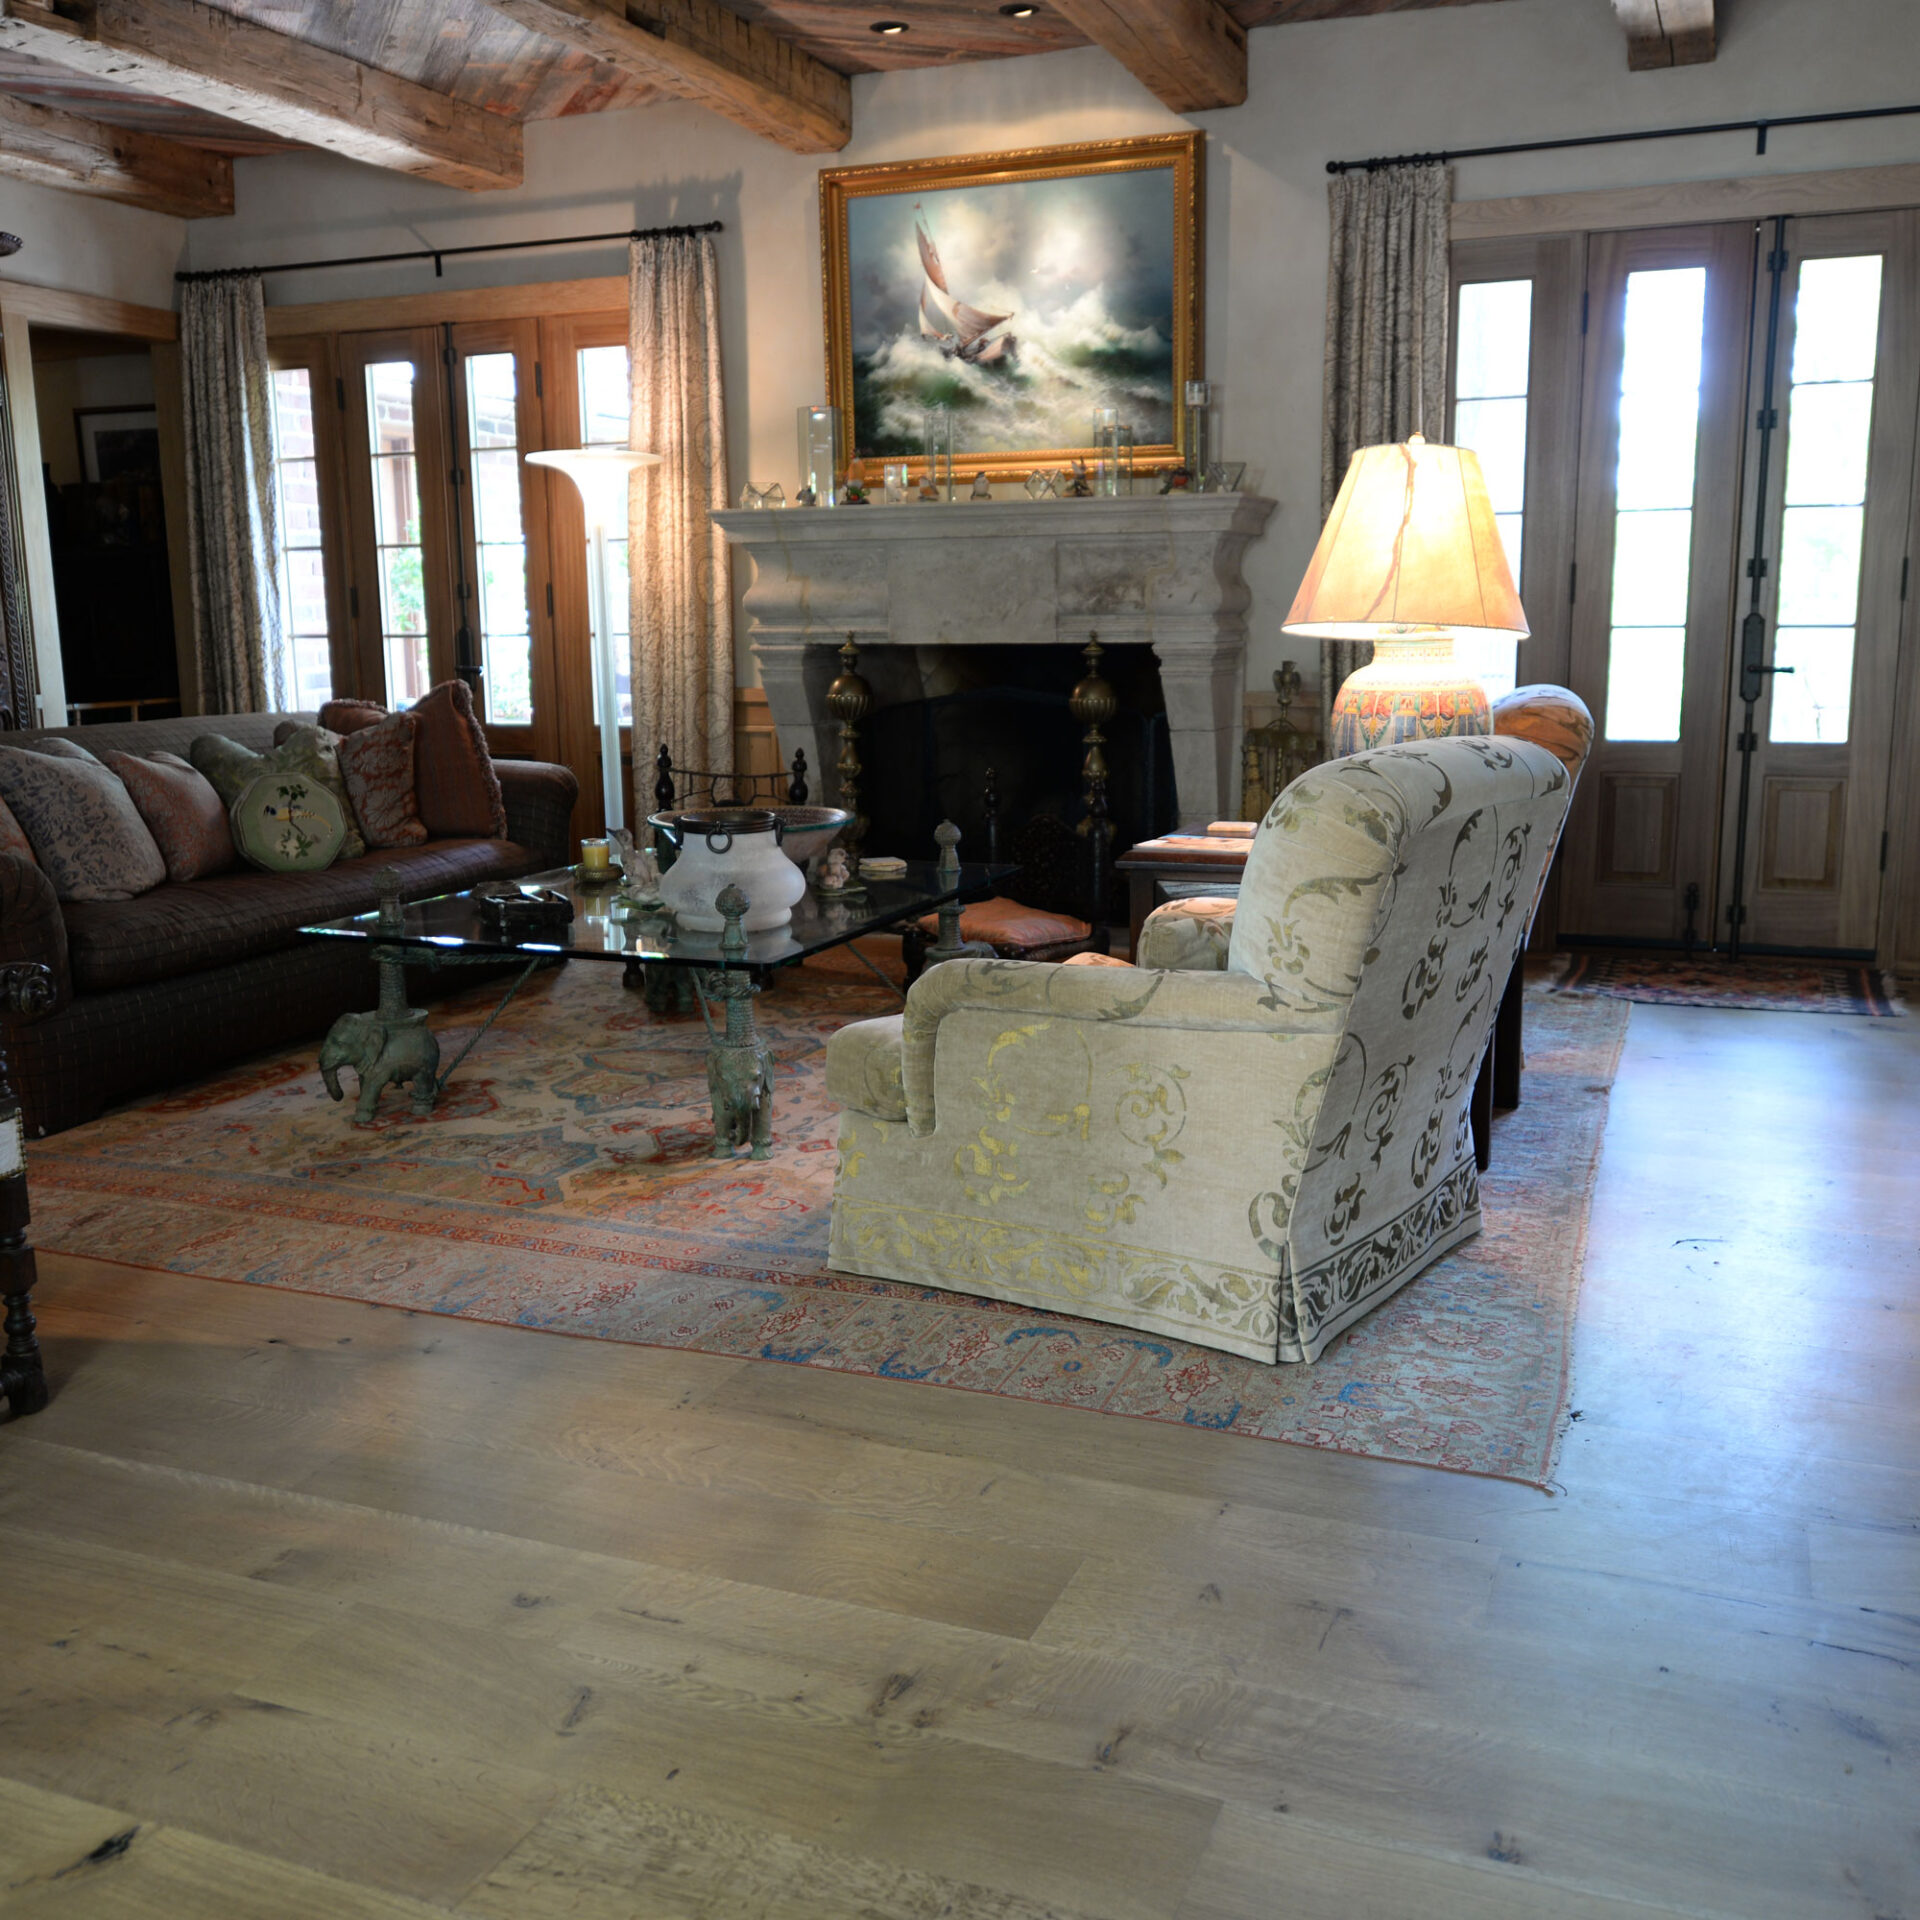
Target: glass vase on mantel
1112,455
1197,451
819,456
936,446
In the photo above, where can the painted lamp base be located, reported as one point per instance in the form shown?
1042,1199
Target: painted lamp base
1410,691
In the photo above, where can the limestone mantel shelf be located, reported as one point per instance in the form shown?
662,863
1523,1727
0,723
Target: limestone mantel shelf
1163,569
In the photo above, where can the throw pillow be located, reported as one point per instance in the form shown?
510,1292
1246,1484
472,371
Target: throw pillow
349,716
86,832
459,790
288,822
377,763
183,813
308,750
56,748
13,836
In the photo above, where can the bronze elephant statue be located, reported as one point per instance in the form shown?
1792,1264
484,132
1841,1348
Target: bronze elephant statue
740,1081
381,1053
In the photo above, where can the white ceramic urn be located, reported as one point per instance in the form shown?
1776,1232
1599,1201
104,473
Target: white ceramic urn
731,845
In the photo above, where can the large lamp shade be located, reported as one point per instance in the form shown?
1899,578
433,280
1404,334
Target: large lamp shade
602,475
1410,556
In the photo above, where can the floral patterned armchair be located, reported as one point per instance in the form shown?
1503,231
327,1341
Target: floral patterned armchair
1249,1156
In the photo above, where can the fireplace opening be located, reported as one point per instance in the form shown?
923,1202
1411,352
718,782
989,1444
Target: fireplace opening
925,759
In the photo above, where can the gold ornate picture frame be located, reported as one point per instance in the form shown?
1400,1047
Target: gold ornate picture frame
1025,289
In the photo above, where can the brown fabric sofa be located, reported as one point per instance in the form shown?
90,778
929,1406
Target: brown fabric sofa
191,977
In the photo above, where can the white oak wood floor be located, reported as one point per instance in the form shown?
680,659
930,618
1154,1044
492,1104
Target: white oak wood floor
316,1609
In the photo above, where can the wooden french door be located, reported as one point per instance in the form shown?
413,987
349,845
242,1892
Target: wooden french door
1655,545
1831,533
464,558
400,600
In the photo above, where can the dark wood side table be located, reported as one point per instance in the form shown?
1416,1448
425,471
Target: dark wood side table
1179,866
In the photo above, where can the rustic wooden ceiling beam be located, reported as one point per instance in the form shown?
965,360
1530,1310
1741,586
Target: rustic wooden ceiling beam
1666,33
698,50
1192,54
54,149
201,57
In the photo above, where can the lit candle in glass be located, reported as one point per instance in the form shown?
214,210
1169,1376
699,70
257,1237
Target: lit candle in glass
596,856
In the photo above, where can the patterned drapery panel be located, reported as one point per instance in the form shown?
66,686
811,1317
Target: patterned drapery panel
1386,365
680,576
232,545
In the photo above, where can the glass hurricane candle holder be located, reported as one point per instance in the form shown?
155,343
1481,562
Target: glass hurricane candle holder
819,429
1112,454
936,447
1196,437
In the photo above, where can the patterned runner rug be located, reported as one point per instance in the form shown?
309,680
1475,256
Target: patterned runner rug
1761,983
565,1184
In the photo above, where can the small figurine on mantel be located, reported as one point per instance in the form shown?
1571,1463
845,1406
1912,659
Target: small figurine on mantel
1079,487
982,488
805,497
1177,480
853,490
929,486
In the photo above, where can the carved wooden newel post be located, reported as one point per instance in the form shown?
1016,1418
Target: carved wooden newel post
1093,703
24,989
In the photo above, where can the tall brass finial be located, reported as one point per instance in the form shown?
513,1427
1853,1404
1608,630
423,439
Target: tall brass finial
850,700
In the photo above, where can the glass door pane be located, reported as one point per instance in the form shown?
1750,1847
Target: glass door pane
399,553
499,538
303,583
1829,423
1493,342
1659,414
605,374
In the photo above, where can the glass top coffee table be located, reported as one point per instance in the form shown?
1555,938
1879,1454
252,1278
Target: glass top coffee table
393,1043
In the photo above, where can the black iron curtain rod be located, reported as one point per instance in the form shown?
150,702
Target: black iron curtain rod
439,254
1758,128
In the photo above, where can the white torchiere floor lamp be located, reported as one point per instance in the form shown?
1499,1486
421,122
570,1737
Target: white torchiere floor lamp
602,474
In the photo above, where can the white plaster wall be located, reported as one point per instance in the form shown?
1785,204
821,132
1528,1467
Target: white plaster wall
1458,76
90,246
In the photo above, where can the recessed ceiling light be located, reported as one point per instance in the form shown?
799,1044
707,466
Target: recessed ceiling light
889,26
1019,12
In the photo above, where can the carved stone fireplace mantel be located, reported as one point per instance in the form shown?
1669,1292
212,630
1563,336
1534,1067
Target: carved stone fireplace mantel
1162,569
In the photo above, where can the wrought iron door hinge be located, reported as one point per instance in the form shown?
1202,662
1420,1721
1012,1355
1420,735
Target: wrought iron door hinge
1746,742
1756,569
1767,419
1777,261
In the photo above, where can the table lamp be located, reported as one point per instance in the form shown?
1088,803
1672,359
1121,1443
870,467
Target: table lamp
1410,556
602,474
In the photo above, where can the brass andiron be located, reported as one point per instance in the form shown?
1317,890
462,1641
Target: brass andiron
850,700
1277,754
1093,703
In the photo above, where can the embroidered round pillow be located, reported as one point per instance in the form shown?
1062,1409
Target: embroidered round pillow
288,823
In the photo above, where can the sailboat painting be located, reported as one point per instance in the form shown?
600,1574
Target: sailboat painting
1023,296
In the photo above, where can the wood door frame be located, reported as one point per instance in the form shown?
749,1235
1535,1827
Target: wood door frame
1860,766
561,338
521,337
1556,265
1693,766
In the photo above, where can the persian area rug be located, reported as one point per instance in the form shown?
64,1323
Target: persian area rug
565,1184
1761,983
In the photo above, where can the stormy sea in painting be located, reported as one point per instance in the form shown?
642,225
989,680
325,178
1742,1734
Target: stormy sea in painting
1023,305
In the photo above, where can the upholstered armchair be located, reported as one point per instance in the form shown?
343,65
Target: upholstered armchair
1248,1155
